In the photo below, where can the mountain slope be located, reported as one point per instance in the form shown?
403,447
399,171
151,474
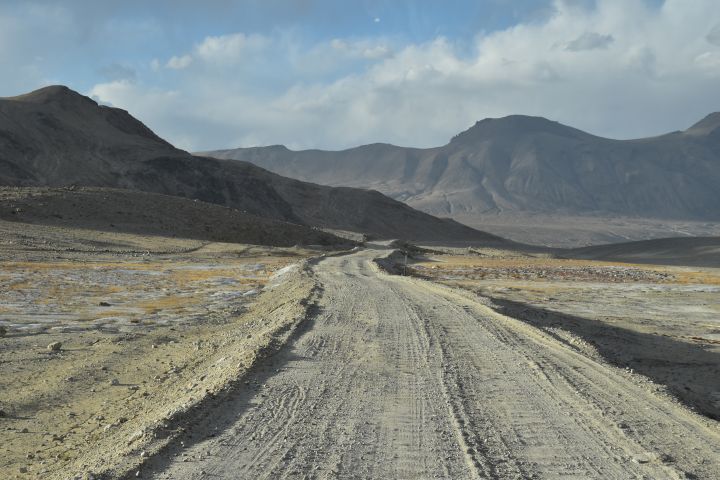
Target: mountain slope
694,251
55,137
526,164
126,211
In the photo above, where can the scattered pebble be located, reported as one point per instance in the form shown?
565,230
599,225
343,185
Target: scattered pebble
54,346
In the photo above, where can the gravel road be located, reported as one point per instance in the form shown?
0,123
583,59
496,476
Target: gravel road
397,378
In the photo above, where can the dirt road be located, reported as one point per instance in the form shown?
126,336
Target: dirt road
396,378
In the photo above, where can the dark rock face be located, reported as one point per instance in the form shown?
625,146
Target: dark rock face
526,164
55,137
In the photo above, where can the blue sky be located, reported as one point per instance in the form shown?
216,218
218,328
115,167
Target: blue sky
91,40
333,74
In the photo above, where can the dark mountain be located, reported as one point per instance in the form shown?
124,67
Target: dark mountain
55,137
128,211
692,251
529,165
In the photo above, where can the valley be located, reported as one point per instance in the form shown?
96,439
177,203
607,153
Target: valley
169,315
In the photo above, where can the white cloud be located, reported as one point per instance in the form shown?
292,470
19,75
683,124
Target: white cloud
178,63
621,69
229,48
709,61
589,41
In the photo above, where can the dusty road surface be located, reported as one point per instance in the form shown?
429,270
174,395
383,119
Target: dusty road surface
397,378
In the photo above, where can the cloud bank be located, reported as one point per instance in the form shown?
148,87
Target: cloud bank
618,68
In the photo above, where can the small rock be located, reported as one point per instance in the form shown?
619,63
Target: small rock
23,470
104,304
3,331
54,346
3,413
143,454
114,382
24,430
137,474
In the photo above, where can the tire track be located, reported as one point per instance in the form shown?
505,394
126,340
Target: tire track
399,378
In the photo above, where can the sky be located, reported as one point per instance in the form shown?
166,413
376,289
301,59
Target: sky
334,74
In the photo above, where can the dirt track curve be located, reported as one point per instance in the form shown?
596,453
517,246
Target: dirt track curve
396,378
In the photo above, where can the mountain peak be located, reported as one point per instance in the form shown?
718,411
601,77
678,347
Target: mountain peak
706,126
51,94
513,126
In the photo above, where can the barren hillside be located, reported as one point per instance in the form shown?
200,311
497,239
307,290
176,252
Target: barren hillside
55,137
127,211
501,168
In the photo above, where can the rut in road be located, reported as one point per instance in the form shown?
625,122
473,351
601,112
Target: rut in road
396,378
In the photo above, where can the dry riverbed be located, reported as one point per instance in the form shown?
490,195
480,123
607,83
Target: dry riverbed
662,322
109,340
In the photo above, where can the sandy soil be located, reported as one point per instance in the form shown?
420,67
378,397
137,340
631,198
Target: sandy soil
149,329
660,321
396,377
505,365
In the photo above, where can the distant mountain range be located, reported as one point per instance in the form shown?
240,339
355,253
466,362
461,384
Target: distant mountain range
55,137
529,165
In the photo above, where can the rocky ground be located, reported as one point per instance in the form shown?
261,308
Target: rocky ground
660,321
400,378
110,340
126,356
